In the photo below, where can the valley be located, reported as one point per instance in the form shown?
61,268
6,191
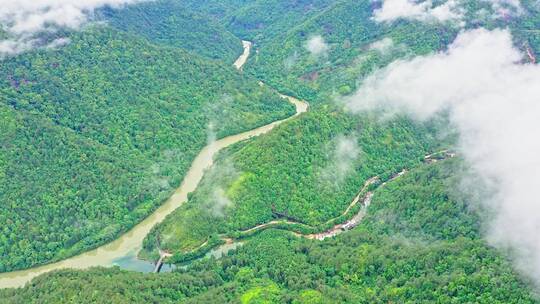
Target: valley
269,151
130,243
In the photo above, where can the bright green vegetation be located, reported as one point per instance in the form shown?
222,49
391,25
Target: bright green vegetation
396,255
167,22
281,30
351,38
114,285
279,175
258,19
293,173
97,134
307,170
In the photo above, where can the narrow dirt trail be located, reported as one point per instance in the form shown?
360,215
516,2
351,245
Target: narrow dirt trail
362,197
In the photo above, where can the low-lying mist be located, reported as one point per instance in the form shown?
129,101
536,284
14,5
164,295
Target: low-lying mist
343,153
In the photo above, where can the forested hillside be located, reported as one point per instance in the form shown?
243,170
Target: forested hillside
295,172
281,31
97,134
271,178
169,23
352,46
354,43
397,255
258,19
308,170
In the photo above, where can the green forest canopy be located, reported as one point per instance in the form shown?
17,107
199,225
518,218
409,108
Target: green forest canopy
419,242
96,135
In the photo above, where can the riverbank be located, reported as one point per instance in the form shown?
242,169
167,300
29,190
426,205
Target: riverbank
129,244
346,221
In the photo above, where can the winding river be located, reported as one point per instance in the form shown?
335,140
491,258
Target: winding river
124,249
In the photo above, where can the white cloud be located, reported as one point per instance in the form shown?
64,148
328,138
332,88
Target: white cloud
451,10
24,19
505,8
382,46
493,99
344,153
445,12
220,203
57,43
317,46
409,9
516,4
11,46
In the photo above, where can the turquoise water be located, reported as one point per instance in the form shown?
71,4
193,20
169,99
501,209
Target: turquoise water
131,262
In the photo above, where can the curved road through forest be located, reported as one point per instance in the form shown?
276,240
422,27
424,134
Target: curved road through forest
363,198
130,243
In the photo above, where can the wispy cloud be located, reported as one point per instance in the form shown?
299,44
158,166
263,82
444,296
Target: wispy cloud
382,45
344,151
217,179
449,10
424,10
317,46
220,202
25,20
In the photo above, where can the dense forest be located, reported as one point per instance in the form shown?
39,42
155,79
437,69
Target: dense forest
282,175
307,170
95,135
280,31
168,23
398,255
356,45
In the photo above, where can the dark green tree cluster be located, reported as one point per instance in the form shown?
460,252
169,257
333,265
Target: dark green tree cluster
169,23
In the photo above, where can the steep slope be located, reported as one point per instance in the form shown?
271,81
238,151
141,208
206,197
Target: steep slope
105,129
170,23
263,20
295,172
420,242
270,179
258,20
351,44
308,170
